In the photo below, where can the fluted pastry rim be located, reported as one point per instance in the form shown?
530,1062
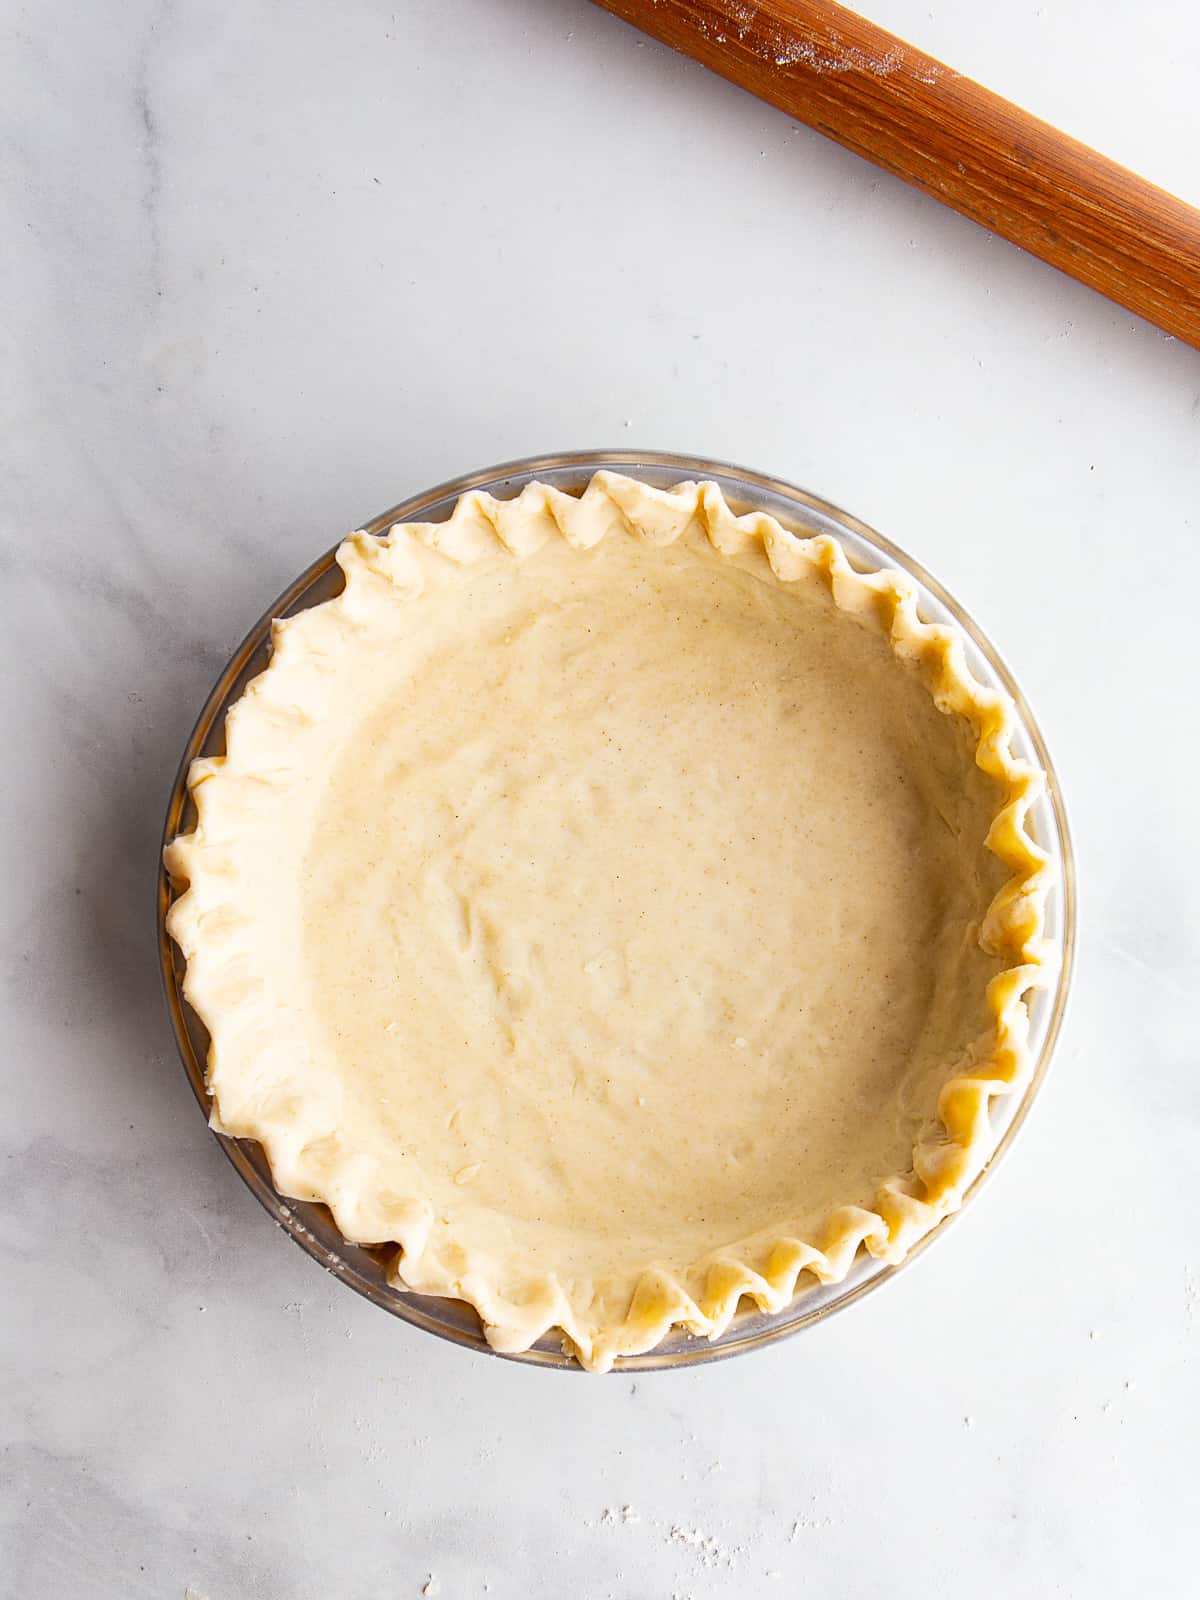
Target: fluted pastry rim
944,1163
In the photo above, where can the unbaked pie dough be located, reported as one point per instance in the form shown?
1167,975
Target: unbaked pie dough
621,905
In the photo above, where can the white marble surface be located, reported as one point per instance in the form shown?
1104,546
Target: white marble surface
269,267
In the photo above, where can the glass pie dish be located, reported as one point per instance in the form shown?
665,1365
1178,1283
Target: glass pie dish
311,1225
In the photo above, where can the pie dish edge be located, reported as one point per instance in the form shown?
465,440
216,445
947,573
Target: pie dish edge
944,1164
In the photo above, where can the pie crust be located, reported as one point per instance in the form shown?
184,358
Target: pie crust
620,905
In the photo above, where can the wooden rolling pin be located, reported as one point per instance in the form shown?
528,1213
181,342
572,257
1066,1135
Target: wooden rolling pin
924,122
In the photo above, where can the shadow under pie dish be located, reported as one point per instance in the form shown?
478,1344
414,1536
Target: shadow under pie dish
623,905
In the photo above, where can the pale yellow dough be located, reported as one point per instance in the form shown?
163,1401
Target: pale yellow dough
595,901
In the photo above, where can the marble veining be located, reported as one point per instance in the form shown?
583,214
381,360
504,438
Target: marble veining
151,151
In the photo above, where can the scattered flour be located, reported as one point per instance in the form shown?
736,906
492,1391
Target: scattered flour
610,1516
705,1546
809,1525
787,52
